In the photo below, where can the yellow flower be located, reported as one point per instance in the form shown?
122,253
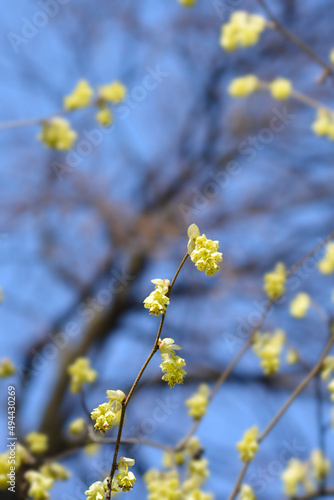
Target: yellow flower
198,470
193,447
171,364
80,97
327,367
81,373
326,265
113,92
280,88
106,413
294,475
125,479
244,85
54,471
77,426
300,305
246,493
170,458
331,56
242,30
187,3
268,348
104,116
206,255
57,134
37,442
320,465
198,402
92,449
274,282
322,125
292,357
163,485
6,368
158,301
249,445
39,485
97,490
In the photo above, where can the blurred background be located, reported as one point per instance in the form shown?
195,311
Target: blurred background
117,211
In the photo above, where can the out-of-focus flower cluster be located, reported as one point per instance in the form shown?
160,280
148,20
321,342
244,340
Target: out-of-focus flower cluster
57,133
194,472
80,373
242,30
305,475
268,347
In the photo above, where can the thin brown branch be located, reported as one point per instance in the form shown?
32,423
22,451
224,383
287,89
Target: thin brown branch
281,412
246,346
127,400
276,24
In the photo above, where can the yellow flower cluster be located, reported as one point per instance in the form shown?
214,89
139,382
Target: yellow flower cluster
204,253
242,30
163,485
7,368
331,56
77,426
246,493
249,445
320,465
37,442
198,402
7,460
39,485
324,124
107,414
300,305
167,485
292,357
97,490
55,471
280,88
113,92
57,134
295,475
169,458
268,347
274,282
326,372
304,474
187,3
243,86
80,373
104,116
326,265
171,364
80,97
158,301
41,481
125,479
